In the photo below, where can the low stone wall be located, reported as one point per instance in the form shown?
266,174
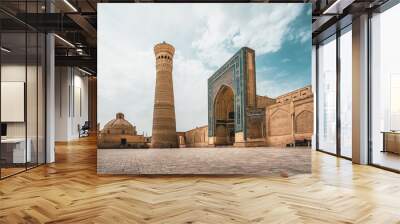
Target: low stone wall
115,141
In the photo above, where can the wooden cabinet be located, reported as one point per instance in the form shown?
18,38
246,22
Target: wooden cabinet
391,142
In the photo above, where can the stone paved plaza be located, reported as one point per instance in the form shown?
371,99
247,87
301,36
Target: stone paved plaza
216,161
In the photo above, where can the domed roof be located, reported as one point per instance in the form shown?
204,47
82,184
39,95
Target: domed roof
119,126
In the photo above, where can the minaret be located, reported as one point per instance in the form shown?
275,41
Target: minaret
164,125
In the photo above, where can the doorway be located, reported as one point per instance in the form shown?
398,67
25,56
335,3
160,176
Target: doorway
224,116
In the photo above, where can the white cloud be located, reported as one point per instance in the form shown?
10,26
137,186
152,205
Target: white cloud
302,34
190,91
128,88
261,28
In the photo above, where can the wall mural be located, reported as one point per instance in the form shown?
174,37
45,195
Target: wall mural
208,92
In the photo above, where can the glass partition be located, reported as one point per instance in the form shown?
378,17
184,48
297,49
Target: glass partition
327,95
22,77
346,93
385,89
13,109
31,100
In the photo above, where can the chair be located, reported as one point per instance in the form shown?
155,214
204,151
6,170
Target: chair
84,130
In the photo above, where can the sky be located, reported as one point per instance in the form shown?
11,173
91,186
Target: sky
204,36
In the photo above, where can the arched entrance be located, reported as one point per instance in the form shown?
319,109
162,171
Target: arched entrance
232,101
224,116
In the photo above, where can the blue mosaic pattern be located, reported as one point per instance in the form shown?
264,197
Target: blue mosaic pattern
237,81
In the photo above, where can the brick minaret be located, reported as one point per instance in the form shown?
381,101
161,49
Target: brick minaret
164,125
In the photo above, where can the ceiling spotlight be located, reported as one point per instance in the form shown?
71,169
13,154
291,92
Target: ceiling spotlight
5,50
79,51
70,5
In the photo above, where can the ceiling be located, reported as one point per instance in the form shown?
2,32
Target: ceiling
75,21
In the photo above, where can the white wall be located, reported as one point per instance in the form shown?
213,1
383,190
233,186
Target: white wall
16,73
71,102
34,125
12,73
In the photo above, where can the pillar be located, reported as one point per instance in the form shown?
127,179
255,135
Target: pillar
164,124
360,90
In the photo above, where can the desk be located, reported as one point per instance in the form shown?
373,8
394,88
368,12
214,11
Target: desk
13,150
391,141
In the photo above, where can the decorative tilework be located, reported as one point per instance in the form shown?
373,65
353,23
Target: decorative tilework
231,74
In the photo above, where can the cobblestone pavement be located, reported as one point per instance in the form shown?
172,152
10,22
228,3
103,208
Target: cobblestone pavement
217,161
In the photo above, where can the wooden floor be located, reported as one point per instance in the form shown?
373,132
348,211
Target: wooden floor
5,172
70,191
387,159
